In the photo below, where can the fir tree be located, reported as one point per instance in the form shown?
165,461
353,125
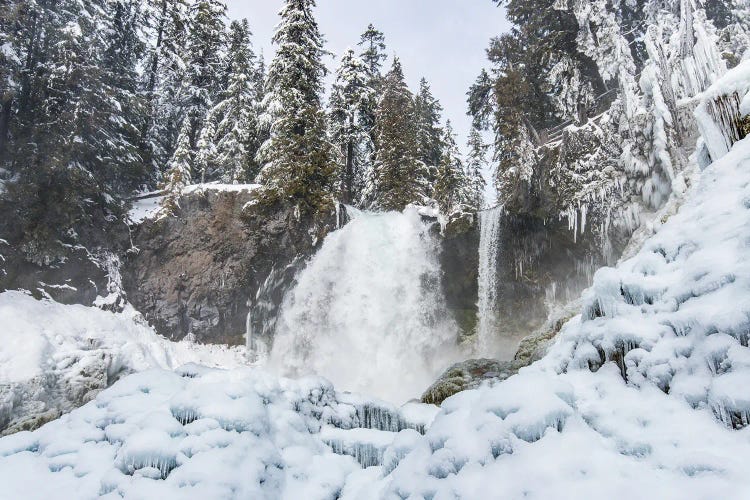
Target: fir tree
476,164
72,124
429,132
296,157
205,149
178,174
349,107
398,177
373,54
452,189
205,43
235,133
166,83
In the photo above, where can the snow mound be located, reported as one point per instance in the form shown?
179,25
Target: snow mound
203,433
147,207
216,186
55,357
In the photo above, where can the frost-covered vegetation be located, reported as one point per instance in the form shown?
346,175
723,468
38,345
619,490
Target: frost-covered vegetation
643,393
620,125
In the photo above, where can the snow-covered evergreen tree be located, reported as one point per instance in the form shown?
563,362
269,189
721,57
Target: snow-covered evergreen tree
237,134
398,176
296,158
372,43
179,171
430,134
476,165
74,131
166,82
349,108
373,54
205,148
453,189
205,46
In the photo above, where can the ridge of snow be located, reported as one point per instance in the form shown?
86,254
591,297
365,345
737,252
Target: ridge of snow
216,186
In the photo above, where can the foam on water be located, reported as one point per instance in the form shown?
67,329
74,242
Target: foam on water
368,312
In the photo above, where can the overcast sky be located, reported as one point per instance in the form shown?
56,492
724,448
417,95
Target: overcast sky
442,40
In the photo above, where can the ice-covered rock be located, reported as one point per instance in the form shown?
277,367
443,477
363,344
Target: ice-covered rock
54,357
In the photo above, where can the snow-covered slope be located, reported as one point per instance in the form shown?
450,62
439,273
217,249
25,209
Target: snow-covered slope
202,433
55,357
643,395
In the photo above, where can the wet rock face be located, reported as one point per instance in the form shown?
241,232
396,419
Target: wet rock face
197,272
77,279
467,375
459,262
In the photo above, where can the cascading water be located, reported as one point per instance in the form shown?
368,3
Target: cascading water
489,249
367,313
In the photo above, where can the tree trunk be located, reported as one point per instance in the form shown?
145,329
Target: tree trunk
153,71
349,189
5,112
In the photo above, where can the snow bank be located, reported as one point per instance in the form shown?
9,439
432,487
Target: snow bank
644,395
145,208
200,433
215,186
55,357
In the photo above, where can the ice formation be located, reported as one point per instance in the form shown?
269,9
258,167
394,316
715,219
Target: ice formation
206,433
368,313
55,357
643,394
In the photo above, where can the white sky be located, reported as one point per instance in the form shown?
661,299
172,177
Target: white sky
442,40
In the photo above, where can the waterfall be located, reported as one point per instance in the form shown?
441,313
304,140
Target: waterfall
367,312
489,249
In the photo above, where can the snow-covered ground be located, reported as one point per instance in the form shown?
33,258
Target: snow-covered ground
145,208
149,205
54,357
644,395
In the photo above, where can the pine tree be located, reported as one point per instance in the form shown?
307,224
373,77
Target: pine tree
429,132
166,83
452,189
349,107
178,174
205,43
398,177
297,156
476,164
373,54
73,123
10,67
120,62
205,148
237,135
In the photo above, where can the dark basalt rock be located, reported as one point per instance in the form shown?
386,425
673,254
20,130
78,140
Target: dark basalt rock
459,262
468,375
197,271
77,278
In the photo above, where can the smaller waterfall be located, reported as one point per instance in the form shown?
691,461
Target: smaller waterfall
489,249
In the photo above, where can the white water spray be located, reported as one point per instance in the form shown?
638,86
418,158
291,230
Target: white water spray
368,313
489,242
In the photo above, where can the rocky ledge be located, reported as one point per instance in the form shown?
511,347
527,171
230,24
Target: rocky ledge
196,272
